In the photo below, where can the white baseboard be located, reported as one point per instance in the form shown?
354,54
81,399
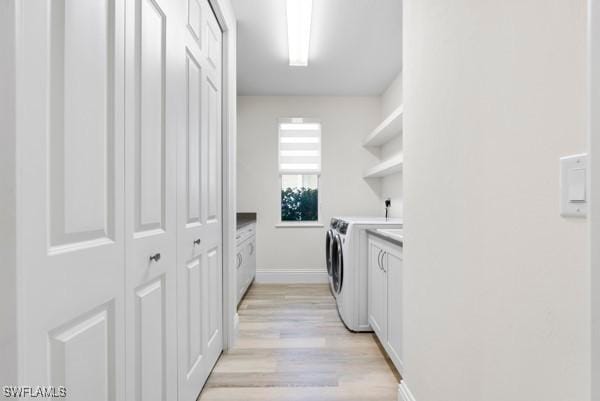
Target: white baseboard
292,276
404,393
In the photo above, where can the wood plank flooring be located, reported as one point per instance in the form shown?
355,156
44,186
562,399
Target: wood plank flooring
293,347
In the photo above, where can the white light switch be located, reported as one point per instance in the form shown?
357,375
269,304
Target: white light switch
577,185
573,185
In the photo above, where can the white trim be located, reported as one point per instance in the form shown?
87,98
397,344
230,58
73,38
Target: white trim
292,276
594,187
226,18
299,225
404,393
11,306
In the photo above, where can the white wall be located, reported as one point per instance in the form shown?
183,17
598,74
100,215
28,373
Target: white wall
391,98
8,200
497,283
391,186
594,46
345,122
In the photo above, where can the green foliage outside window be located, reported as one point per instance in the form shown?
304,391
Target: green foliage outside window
299,204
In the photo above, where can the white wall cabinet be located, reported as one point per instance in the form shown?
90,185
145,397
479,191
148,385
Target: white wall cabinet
245,259
385,296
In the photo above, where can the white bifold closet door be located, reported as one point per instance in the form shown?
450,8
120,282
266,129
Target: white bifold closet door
199,221
152,98
71,208
119,144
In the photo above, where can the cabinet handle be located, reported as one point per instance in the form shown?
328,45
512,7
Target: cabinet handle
382,265
379,259
155,257
197,241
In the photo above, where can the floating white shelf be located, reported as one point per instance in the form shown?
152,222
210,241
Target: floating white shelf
389,129
386,167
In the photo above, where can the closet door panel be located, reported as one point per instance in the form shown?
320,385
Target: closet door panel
70,150
81,111
193,139
199,205
152,114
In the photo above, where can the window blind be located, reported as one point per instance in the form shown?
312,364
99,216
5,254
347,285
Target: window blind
299,146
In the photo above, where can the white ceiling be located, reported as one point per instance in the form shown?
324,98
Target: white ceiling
355,48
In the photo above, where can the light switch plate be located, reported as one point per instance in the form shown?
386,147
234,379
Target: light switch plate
573,186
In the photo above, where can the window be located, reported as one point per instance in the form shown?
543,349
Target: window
299,197
299,169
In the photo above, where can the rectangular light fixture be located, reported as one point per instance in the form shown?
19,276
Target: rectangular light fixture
299,13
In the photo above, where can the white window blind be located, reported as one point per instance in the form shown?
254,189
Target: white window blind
299,146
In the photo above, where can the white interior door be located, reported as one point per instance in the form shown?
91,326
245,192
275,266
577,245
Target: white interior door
199,203
152,98
70,130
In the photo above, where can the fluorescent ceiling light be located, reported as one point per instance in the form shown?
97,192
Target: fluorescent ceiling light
299,127
299,14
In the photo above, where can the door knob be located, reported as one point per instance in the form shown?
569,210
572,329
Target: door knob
155,257
197,241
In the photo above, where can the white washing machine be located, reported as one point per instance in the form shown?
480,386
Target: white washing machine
347,258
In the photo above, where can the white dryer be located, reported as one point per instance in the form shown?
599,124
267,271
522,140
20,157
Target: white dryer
347,257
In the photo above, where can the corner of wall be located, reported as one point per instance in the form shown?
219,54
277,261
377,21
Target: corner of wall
391,186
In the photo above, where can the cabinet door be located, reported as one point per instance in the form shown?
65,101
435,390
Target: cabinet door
377,291
239,264
393,266
251,270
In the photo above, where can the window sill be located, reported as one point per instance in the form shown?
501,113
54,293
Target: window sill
299,225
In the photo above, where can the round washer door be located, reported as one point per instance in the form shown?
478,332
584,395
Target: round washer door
337,259
329,251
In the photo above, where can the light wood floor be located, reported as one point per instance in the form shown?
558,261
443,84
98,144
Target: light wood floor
293,347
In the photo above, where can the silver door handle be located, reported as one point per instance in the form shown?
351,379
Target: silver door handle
379,259
155,257
382,265
197,241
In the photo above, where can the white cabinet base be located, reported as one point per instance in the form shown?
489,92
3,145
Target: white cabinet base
245,259
385,279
